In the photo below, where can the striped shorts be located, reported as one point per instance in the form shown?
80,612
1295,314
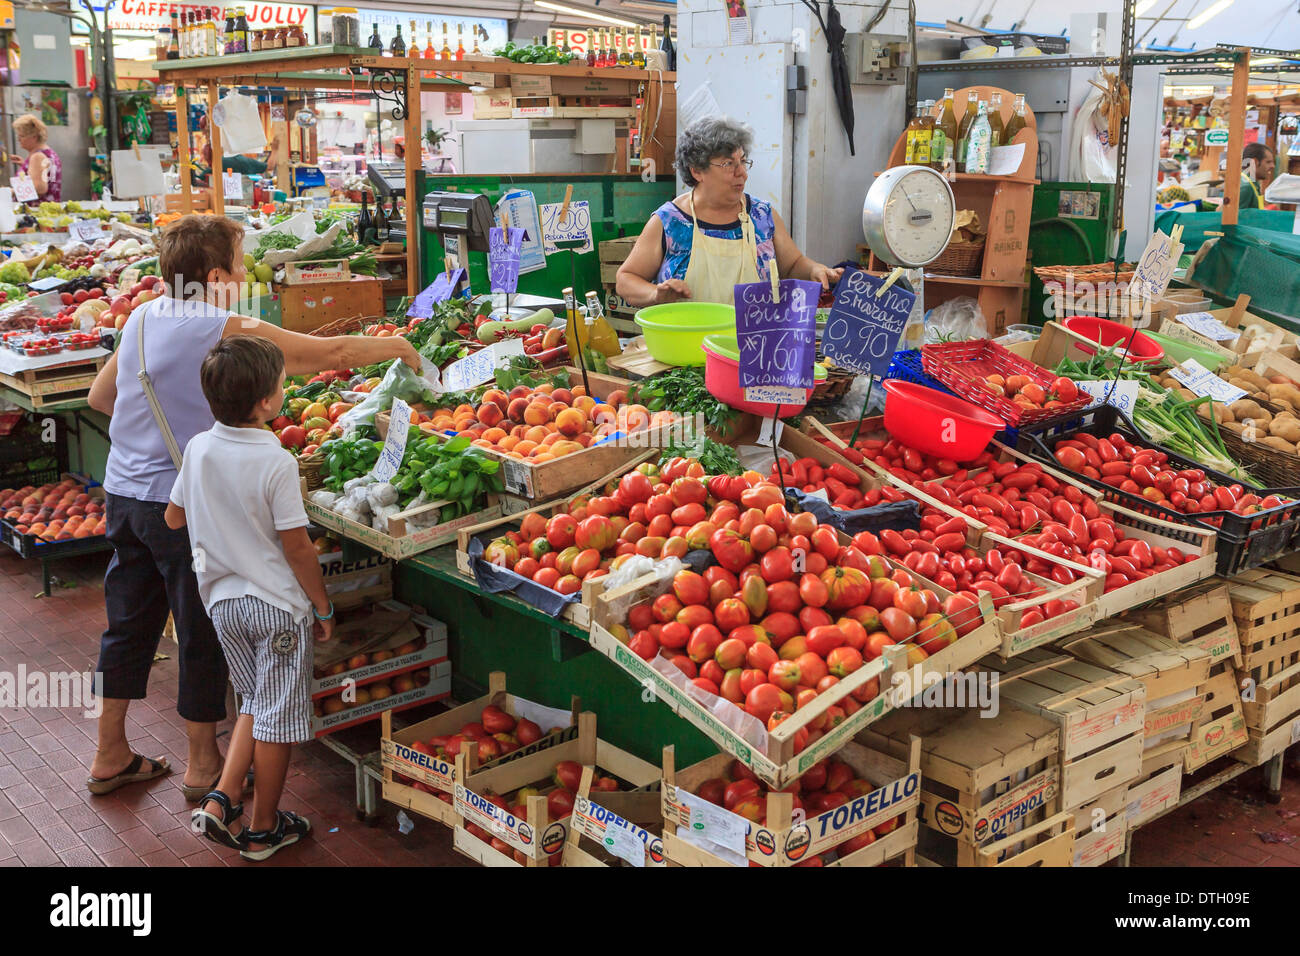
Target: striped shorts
270,657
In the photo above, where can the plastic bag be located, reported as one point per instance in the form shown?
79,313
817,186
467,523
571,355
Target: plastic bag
399,382
1092,157
303,226
241,127
956,320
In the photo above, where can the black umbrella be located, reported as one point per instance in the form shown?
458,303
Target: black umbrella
834,30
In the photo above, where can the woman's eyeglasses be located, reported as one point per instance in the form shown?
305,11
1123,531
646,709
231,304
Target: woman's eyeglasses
730,165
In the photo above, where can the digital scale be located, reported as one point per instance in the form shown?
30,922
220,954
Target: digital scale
389,178
460,221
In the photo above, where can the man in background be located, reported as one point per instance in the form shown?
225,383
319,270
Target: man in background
1252,190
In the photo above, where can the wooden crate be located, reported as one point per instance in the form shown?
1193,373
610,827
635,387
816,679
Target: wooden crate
351,584
306,307
55,383
1173,674
1100,714
538,838
398,541
981,776
1101,828
1153,793
637,813
1049,842
636,362
1200,615
430,776
1266,607
780,839
1222,727
317,271
778,763
1273,717
616,250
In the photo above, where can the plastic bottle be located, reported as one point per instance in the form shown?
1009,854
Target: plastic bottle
575,327
979,142
963,128
909,141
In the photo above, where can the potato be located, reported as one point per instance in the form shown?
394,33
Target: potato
1242,384
1221,413
1285,393
1185,394
1287,428
1281,444
1237,427
1279,380
1244,408
1256,380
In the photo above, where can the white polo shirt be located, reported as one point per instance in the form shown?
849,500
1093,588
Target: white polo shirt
239,488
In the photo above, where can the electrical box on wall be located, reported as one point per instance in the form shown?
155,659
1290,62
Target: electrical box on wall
879,59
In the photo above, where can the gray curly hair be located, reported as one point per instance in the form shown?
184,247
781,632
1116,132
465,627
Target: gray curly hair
708,139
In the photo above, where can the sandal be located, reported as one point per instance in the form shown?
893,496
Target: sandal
217,829
289,829
132,774
195,794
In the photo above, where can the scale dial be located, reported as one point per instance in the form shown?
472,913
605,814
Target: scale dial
908,215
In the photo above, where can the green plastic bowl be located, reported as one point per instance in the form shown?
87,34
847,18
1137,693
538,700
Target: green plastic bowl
675,331
1177,351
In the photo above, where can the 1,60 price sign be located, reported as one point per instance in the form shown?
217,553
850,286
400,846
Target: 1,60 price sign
862,331
777,338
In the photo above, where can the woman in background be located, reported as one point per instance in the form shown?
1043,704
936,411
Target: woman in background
42,164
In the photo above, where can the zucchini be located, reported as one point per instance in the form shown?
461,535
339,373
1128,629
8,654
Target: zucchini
488,331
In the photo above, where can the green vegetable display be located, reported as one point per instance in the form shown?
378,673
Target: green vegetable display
533,53
682,390
716,459
454,471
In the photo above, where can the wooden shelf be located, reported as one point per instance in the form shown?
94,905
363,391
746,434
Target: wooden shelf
975,280
980,177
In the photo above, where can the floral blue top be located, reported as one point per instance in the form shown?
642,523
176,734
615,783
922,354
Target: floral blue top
677,237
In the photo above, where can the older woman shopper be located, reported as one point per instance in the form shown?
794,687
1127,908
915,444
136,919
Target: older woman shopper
151,571
704,242
42,163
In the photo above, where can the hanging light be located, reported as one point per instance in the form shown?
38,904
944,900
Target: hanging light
1208,14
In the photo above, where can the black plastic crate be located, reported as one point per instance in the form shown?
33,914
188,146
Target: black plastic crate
25,458
30,546
1243,542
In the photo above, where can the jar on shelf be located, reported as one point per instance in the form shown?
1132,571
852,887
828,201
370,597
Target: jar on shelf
345,26
255,41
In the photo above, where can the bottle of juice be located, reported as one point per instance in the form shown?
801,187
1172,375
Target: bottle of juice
963,128
995,119
979,142
600,334
943,144
909,150
924,133
1017,121
575,328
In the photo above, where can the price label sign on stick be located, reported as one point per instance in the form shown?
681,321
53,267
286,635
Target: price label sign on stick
862,330
1156,268
503,258
440,290
573,231
86,230
390,457
777,338
24,189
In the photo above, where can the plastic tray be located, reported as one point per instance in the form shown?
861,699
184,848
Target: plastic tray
1239,545
962,366
907,366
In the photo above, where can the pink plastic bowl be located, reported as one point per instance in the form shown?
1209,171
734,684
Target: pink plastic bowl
937,423
722,379
1110,334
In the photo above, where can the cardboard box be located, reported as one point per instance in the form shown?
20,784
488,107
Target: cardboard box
494,105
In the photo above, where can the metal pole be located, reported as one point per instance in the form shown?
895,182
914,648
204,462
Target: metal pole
1126,76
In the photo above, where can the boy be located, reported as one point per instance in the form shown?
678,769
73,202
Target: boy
260,581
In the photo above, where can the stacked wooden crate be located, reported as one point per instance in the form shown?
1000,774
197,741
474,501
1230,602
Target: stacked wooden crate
1266,609
613,253
1100,714
1202,616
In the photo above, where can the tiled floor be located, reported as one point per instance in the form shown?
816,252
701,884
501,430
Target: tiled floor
48,818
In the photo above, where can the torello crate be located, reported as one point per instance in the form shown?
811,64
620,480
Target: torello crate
622,829
493,833
1245,541
874,821
418,779
1100,713
1266,607
1101,837
991,785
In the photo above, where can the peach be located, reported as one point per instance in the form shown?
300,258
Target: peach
634,417
520,391
495,435
508,442
579,390
378,656
525,447
565,448
489,413
536,434
543,456
497,397
358,660
515,411
616,397
481,442
332,705
562,395
584,439
546,388
584,404
519,431
571,422
555,408
551,438
537,414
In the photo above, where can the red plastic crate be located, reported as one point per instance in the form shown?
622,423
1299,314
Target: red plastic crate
962,366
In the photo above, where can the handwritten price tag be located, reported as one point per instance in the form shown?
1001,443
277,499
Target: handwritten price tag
1202,381
232,186
86,230
777,339
477,368
390,458
24,189
715,824
1209,326
574,233
503,258
1156,267
862,331
1123,394
442,289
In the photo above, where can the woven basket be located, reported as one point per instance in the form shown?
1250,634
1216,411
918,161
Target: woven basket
960,259
347,326
309,469
1100,272
834,387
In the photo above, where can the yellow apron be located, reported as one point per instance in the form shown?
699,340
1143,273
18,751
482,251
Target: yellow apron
1259,200
717,265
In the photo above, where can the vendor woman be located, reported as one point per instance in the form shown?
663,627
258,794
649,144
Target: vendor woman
704,242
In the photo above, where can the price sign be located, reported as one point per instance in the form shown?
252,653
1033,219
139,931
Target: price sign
777,338
715,824
442,289
623,844
390,458
573,233
24,189
1156,268
1121,394
1207,325
503,258
86,230
1202,381
477,368
232,186
862,330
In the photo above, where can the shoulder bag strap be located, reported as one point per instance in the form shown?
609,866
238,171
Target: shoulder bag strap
169,439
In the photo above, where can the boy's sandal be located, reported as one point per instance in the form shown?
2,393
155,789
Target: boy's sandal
135,772
289,829
217,828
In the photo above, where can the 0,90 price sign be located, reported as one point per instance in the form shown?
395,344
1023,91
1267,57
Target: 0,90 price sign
777,338
862,330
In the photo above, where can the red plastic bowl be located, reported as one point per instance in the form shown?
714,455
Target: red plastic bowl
1109,334
937,423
